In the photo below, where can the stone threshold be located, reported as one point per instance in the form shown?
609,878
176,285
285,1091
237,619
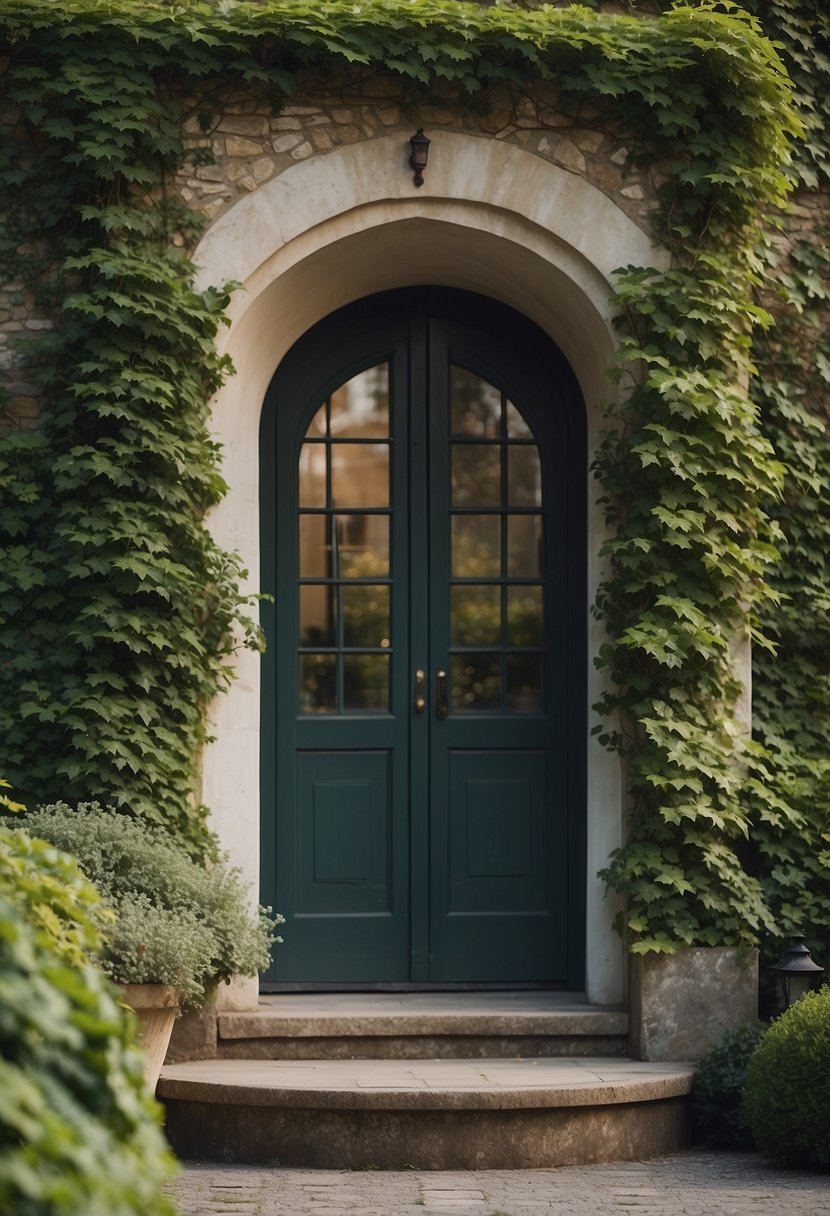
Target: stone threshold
428,1014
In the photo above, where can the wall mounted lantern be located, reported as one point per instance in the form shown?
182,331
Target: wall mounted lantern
419,145
796,971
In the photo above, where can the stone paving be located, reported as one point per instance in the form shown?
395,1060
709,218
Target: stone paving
687,1184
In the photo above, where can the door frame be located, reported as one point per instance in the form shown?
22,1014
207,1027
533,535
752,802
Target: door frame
483,312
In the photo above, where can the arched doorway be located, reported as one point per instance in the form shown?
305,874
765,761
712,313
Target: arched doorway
423,750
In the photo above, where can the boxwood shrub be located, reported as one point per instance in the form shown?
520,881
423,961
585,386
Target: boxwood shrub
79,1133
717,1093
787,1094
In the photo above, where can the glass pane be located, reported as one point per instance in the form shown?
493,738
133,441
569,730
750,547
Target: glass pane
318,615
317,426
517,428
365,615
315,550
318,683
366,682
524,616
476,475
524,546
475,682
476,405
360,407
524,683
524,477
313,475
360,474
476,546
362,545
475,615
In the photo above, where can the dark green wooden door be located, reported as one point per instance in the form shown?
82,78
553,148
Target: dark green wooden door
422,486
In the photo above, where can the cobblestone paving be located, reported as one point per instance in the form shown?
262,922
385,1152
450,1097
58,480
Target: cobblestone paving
688,1184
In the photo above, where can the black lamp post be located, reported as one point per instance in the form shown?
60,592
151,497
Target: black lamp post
796,971
419,154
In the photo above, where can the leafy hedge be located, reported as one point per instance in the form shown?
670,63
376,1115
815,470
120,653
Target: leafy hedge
79,1134
787,1095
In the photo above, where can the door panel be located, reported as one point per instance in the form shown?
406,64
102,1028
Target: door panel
419,516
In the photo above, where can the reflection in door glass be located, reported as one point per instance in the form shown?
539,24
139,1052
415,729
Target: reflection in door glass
524,546
360,407
318,615
366,615
517,428
524,683
475,682
366,682
496,540
315,547
475,615
475,405
344,529
362,545
360,475
524,615
313,475
476,475
318,683
476,546
524,476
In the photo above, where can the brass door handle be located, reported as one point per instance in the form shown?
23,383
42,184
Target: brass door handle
441,707
420,696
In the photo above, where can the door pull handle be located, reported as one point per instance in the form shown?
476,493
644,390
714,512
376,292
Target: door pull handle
420,697
441,708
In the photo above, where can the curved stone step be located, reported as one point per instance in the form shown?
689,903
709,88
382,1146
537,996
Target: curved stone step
428,1114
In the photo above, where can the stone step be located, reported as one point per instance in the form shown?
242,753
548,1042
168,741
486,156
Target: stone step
425,1114
422,1025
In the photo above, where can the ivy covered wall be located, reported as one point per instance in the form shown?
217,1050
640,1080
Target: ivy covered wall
119,613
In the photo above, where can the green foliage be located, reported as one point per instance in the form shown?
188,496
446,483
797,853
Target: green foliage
791,686
801,29
717,1091
787,1095
177,922
79,1133
119,613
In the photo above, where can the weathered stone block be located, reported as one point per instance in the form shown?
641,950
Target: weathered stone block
236,145
681,1004
194,1036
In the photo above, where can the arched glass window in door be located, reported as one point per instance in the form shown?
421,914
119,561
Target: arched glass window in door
496,575
344,561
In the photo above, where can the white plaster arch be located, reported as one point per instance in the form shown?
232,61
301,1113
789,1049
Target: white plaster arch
491,218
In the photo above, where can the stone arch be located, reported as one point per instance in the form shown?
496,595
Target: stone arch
491,218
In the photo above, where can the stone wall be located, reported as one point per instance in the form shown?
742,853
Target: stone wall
247,144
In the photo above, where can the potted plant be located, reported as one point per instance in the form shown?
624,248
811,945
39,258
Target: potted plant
173,928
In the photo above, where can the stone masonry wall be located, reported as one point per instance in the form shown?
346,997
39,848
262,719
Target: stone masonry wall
247,144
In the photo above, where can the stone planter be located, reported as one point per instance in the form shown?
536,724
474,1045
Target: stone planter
681,1004
155,1006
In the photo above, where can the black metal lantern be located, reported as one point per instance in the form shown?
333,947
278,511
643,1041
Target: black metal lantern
419,145
796,971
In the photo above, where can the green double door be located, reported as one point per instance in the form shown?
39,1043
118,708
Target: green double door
422,480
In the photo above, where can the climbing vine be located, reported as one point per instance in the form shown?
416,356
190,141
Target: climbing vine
119,618
790,849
